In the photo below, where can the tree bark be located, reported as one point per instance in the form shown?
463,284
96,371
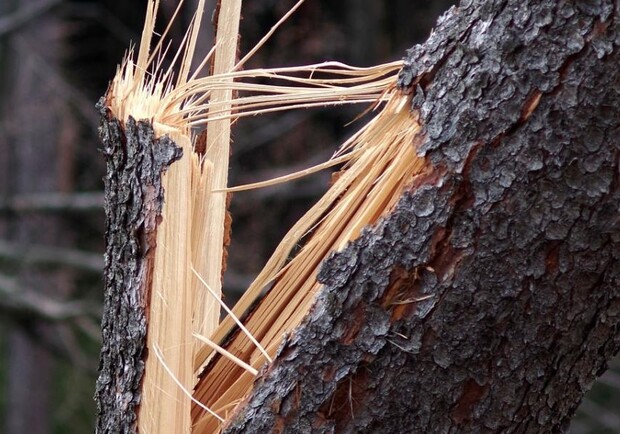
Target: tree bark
133,204
488,300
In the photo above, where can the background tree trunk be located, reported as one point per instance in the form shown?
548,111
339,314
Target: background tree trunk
488,300
36,158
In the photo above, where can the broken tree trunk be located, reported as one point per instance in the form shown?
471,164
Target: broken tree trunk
134,199
488,300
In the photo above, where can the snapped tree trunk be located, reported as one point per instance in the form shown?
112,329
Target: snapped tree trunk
134,199
488,299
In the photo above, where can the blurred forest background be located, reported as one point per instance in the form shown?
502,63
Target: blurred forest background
56,59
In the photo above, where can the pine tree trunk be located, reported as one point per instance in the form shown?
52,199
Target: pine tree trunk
134,199
488,300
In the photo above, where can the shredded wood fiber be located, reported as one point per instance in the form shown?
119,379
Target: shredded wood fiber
199,369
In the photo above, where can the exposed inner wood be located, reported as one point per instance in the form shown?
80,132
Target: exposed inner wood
367,189
185,284
164,405
217,153
135,161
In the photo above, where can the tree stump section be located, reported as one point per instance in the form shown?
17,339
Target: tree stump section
134,199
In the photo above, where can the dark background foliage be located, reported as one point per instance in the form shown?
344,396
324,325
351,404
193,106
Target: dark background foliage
56,59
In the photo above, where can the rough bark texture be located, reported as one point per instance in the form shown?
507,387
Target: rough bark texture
133,202
512,242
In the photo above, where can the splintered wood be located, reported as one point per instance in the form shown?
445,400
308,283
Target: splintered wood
383,164
199,369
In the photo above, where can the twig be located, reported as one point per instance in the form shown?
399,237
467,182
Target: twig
63,87
53,202
610,378
114,26
311,188
19,302
47,255
604,417
24,14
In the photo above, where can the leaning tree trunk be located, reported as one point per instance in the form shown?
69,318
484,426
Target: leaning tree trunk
488,300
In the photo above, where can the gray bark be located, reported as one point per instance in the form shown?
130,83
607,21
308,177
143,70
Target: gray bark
133,203
514,237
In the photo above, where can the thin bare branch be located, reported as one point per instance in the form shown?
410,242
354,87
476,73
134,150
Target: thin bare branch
50,73
20,302
55,256
25,14
604,417
610,378
53,202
